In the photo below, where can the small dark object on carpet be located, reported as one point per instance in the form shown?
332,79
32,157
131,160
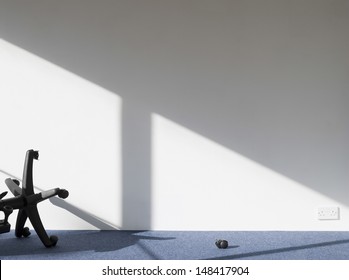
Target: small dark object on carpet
221,244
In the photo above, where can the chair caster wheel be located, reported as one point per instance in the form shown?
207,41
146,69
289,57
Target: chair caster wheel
36,155
222,244
26,232
63,193
54,240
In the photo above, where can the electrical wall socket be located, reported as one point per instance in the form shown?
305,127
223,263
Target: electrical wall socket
328,213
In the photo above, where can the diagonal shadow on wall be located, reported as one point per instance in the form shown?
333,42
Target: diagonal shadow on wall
239,74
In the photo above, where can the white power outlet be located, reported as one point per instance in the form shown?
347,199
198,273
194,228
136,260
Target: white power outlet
328,213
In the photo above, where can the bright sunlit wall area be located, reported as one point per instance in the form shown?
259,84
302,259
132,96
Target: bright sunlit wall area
180,115
74,124
201,185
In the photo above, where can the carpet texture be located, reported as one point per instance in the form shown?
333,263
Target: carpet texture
179,245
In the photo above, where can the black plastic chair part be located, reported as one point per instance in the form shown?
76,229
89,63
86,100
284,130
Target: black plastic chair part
25,200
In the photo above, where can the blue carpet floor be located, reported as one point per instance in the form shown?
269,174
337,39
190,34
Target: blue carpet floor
179,245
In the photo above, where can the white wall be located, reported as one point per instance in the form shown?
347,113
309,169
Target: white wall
203,185
233,114
74,124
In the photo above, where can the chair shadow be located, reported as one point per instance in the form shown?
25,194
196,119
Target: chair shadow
73,242
80,213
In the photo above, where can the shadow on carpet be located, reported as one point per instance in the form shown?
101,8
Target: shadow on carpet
179,245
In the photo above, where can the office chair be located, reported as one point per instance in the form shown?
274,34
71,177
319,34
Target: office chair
25,200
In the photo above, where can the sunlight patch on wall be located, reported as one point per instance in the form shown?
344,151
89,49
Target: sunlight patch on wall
198,184
76,126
